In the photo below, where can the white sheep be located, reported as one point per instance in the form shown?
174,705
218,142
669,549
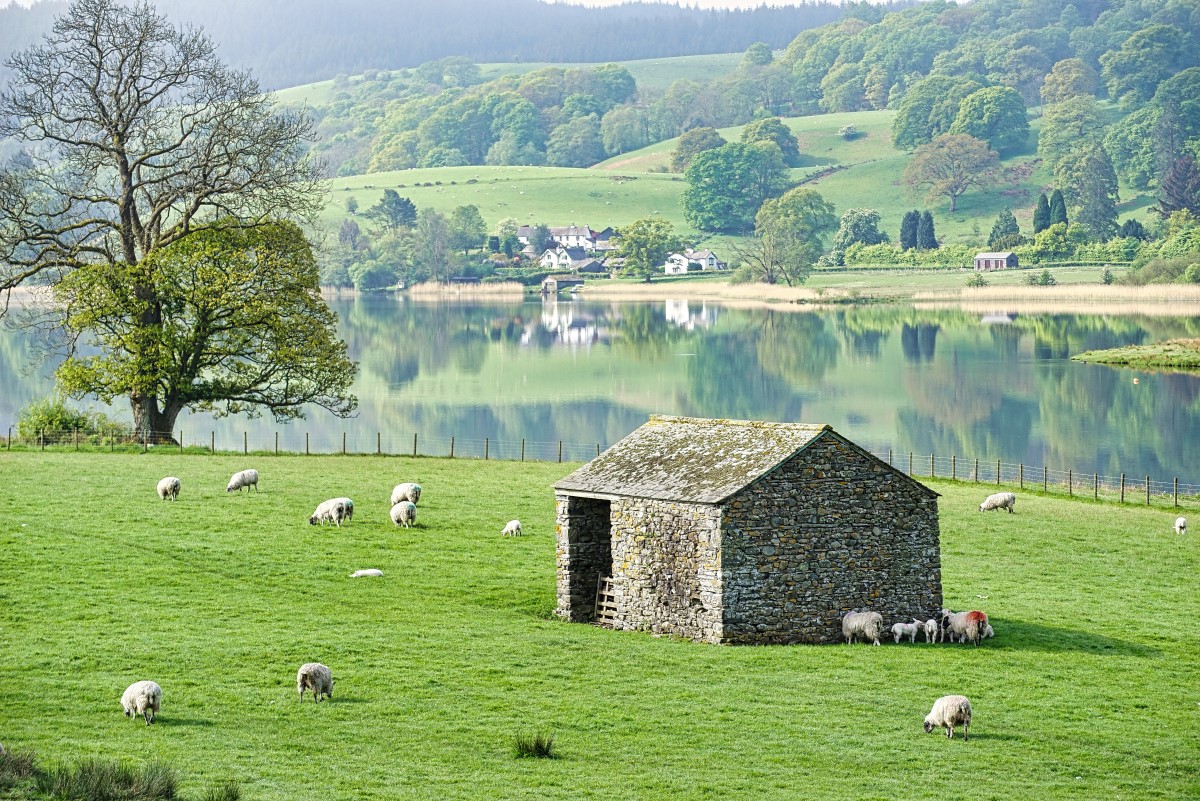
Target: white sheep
950,711
902,630
932,629
1001,500
868,625
404,513
334,510
406,492
246,478
142,698
1181,525
988,632
316,677
370,571
168,488
963,626
512,529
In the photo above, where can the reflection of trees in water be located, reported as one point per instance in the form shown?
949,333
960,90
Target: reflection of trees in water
919,342
865,330
1006,429
798,348
642,331
724,380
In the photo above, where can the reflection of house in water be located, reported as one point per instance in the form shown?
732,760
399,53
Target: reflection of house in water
998,319
680,314
565,324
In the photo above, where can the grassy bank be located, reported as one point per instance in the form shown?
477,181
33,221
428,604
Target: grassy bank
1181,354
1088,689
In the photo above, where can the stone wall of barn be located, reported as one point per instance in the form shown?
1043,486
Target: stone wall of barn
829,532
666,562
583,555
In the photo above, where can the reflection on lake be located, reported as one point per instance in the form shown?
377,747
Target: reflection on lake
993,387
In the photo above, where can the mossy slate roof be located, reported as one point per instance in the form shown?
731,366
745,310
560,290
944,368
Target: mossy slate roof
690,459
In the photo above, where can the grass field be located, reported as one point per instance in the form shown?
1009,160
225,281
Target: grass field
650,73
1088,690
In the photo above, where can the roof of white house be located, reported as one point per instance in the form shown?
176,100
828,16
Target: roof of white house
694,459
1003,255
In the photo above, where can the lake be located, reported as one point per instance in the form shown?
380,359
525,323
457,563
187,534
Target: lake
493,374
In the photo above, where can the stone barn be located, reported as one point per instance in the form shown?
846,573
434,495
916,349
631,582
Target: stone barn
740,532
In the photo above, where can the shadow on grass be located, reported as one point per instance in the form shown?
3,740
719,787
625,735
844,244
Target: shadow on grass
1020,635
172,722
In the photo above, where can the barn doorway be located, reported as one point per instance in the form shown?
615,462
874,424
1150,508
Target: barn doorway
589,553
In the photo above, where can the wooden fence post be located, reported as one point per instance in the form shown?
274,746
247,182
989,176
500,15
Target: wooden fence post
42,438
976,470
560,450
1070,489
10,443
997,472
306,452
522,449
1021,474
343,443
414,443
597,448
1045,478
486,443
1175,494
953,467
1122,488
378,443
75,437
910,463
276,443
245,443
452,446
931,465
181,440
1147,490
112,442
1095,486
212,442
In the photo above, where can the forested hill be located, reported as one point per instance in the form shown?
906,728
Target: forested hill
291,42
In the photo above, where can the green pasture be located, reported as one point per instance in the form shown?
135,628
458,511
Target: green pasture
655,74
1088,690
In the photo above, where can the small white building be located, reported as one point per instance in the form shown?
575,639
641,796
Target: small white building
562,258
571,236
677,263
995,261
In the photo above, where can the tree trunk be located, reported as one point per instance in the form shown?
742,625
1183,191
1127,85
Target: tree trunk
953,202
154,424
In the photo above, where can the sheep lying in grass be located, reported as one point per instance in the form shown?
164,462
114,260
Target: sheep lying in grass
1181,525
404,514
950,711
246,478
406,492
932,629
1001,500
334,510
168,488
868,625
368,572
902,630
316,677
142,698
512,529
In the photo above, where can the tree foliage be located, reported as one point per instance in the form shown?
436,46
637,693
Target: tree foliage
727,185
392,213
950,165
1006,233
1058,208
908,229
772,129
645,245
789,234
1180,187
929,109
1071,77
995,115
239,326
692,142
926,235
1041,214
467,229
857,226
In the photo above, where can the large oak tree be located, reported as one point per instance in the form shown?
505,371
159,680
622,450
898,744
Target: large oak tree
950,165
137,136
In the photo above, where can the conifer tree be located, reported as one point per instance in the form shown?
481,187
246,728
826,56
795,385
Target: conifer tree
1058,208
1098,195
1005,232
1041,214
908,229
926,237
1179,188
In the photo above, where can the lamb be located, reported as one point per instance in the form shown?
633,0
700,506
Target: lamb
950,711
370,571
168,488
404,514
143,698
932,629
988,633
512,529
334,510
406,492
1001,500
316,677
901,630
868,625
246,478
1181,525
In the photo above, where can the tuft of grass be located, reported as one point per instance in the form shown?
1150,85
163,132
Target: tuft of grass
535,746
15,768
226,791
109,780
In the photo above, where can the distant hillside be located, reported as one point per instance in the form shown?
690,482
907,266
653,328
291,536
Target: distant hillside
292,42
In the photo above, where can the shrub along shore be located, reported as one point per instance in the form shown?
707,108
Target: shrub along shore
1176,354
454,653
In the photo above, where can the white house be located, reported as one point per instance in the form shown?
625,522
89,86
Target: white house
563,258
677,263
572,236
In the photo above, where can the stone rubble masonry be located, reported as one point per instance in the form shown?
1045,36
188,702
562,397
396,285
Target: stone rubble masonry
830,531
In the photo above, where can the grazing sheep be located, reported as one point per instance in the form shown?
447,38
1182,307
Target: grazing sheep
963,626
246,478
168,488
142,698
1001,500
370,571
1181,525
901,630
932,629
404,513
406,492
316,677
334,510
976,622
512,529
868,625
950,711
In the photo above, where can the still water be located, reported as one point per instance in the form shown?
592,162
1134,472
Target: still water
995,386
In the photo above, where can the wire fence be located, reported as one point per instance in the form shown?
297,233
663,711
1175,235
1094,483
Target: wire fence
995,472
